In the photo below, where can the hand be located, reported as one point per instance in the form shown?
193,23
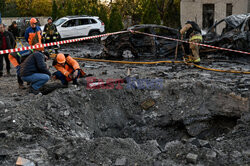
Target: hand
75,74
181,37
53,77
70,76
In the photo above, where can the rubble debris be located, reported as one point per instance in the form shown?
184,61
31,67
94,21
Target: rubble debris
3,134
246,153
121,161
106,125
24,162
148,104
2,105
211,155
200,143
192,158
8,118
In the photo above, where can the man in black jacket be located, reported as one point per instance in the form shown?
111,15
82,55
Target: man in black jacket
7,41
14,29
34,70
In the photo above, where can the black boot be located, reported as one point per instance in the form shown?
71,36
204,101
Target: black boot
32,90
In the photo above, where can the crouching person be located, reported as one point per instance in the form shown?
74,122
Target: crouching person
68,69
34,71
16,59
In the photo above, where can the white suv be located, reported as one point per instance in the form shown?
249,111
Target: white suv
78,26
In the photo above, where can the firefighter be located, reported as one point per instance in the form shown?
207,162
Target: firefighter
50,33
68,69
33,34
192,32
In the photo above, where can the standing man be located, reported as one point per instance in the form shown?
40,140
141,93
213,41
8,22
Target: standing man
68,69
7,41
34,70
50,33
14,29
193,33
33,34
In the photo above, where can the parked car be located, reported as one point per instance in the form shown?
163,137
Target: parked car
79,26
23,23
135,44
235,34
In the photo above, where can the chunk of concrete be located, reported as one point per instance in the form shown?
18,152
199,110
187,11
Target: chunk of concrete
3,134
236,154
121,161
246,153
24,162
192,158
8,118
2,105
211,155
195,129
171,144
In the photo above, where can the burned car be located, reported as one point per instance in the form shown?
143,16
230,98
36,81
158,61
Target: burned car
134,44
235,33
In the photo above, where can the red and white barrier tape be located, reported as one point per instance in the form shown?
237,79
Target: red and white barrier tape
115,33
199,44
59,42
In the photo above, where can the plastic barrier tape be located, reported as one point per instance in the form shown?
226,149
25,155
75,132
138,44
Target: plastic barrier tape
59,42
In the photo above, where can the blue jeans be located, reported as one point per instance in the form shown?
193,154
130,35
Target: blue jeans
37,80
63,79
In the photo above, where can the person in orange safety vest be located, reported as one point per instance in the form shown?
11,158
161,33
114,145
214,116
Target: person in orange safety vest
16,59
68,69
33,34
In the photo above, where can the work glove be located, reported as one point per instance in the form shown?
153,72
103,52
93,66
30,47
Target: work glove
75,74
70,76
18,70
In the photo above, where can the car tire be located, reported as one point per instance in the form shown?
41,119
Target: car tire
127,52
96,40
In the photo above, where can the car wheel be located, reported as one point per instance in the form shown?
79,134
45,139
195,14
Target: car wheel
95,40
127,54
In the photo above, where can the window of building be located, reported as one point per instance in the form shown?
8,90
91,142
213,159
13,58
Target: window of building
208,15
229,9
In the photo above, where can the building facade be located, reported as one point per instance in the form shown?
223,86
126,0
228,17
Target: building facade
206,12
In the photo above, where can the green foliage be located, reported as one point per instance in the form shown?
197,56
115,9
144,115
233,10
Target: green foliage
69,8
151,14
2,6
103,15
115,23
113,15
54,10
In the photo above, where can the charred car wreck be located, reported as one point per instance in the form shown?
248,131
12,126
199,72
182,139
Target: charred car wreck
235,33
134,44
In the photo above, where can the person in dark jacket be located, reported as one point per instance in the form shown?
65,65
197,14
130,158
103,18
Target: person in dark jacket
14,29
34,70
7,41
